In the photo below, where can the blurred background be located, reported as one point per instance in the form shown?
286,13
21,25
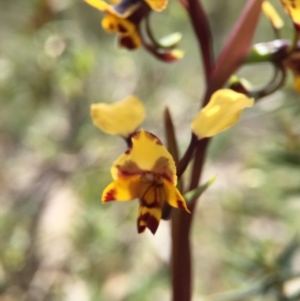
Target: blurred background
58,242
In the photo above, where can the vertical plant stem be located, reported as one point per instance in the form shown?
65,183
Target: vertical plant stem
181,221
185,160
181,226
181,256
202,30
198,166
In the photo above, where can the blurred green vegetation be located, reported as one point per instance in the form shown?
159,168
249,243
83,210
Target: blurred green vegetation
58,242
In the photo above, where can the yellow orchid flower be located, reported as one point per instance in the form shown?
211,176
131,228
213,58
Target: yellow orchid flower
292,7
121,118
222,111
146,171
123,19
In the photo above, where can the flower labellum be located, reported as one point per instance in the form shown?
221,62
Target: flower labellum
121,118
146,171
222,112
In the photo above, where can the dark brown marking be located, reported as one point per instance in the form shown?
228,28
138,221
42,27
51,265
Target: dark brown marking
293,3
151,223
110,196
180,204
111,26
121,29
141,229
128,43
154,204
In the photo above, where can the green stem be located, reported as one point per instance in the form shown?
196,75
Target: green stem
268,52
275,84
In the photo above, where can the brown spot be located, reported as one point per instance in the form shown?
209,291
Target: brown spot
127,42
129,168
180,204
121,29
293,4
150,221
110,196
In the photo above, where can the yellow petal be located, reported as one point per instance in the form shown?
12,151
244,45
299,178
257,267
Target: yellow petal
123,189
103,6
157,5
98,4
222,112
148,218
174,197
272,14
146,154
293,9
121,118
110,24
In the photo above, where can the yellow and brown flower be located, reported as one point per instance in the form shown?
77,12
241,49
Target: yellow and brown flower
146,171
124,18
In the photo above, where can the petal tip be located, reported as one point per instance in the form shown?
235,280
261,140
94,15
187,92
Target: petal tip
182,205
147,220
109,196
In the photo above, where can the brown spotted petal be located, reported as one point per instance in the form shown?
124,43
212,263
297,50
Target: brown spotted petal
146,154
124,189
